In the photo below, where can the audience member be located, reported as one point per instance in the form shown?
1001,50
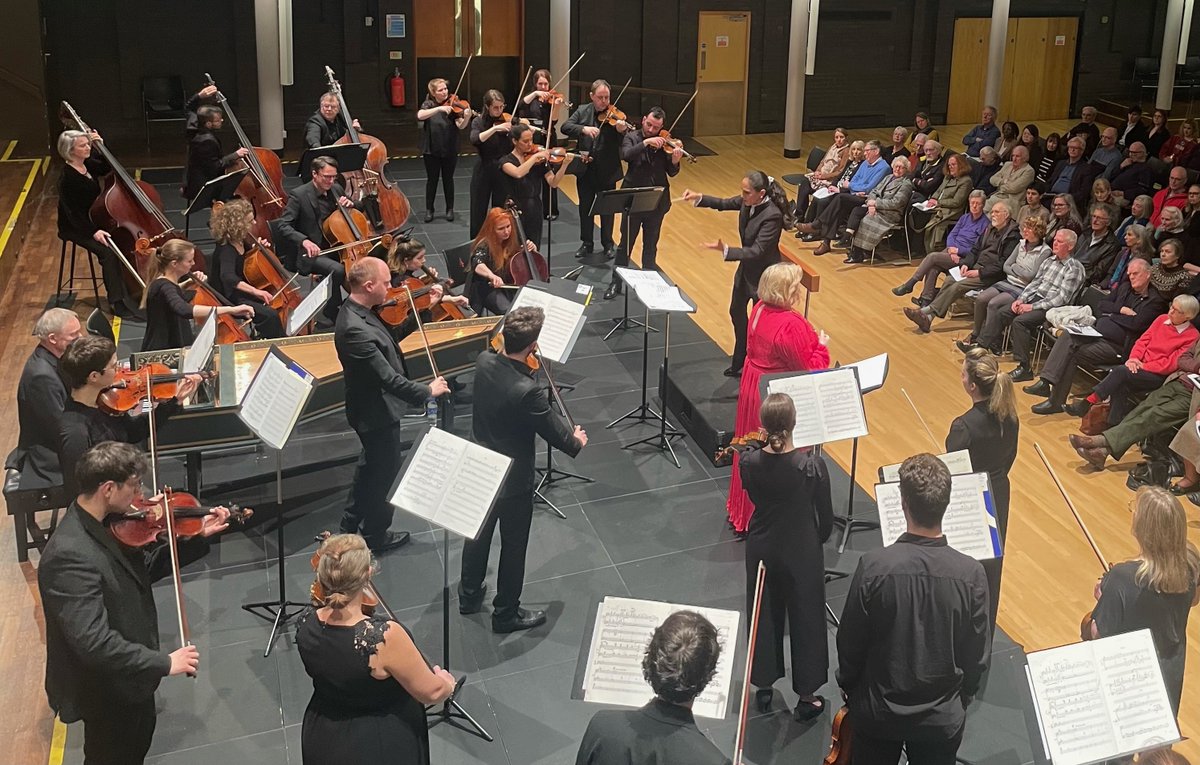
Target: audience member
987,166
1138,246
1086,129
897,149
1008,140
948,202
984,134
1170,226
1051,154
1031,141
1074,174
1020,268
1170,275
1139,212
1107,155
1177,149
1064,215
1133,131
833,210
1011,180
922,126
1033,206
1102,196
959,242
883,211
1097,248
830,167
1159,133
1174,195
1133,176
927,173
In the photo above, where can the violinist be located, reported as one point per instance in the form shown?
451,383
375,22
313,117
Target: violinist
438,142
407,261
647,164
77,191
495,246
537,109
370,681
230,226
169,311
490,136
326,125
1156,590
103,657
205,160
300,227
527,170
599,140
89,367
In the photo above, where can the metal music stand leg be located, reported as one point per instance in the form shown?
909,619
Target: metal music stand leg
451,711
643,412
849,523
625,322
277,610
662,441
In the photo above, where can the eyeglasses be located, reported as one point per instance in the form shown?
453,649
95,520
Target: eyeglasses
1100,218
328,176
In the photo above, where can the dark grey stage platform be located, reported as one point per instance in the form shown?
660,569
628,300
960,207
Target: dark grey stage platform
643,529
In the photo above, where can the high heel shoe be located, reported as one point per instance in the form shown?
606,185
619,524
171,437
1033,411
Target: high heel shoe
763,698
809,710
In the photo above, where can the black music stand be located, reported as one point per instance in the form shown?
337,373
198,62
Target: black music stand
349,157
217,190
640,199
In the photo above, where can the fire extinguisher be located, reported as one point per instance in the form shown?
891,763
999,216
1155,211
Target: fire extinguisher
396,84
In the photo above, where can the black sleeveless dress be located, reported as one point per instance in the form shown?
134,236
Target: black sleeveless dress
352,717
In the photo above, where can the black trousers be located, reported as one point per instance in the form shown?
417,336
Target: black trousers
326,266
368,512
118,733
1068,354
488,190
804,190
837,209
869,750
588,189
439,167
111,270
649,224
514,515
531,218
266,319
741,297
1119,383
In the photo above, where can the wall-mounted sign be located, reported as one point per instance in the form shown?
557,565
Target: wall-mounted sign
722,41
395,25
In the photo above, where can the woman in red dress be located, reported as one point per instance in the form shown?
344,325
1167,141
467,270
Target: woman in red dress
779,339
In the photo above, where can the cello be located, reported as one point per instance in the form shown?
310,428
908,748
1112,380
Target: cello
263,185
529,265
371,180
229,329
263,271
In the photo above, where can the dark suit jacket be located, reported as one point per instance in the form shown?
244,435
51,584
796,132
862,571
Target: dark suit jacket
1081,181
647,167
760,228
41,396
660,733
1137,134
991,250
376,387
1134,179
204,162
510,408
318,132
1097,258
101,624
605,149
301,219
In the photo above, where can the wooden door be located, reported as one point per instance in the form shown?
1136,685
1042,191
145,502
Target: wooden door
458,28
722,61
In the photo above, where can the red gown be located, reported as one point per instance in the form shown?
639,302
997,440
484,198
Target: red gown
778,340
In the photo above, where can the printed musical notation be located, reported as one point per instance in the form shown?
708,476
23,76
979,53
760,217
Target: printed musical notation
969,523
828,405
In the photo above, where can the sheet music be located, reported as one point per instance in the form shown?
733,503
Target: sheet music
1081,331
957,463
1101,699
824,192
871,372
969,523
197,356
623,629
957,274
451,482
564,321
828,405
275,398
312,302
653,291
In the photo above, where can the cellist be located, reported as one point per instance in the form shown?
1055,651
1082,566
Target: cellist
169,312
495,246
230,225
526,169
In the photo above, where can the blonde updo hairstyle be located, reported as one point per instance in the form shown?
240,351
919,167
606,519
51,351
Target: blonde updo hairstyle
780,285
172,251
344,569
778,417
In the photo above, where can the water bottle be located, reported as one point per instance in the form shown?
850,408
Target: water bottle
431,410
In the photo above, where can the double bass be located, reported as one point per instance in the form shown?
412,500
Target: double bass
371,180
527,265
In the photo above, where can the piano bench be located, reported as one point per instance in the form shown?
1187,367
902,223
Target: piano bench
24,504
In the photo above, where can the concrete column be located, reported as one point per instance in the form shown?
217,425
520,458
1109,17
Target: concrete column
560,48
793,119
1170,51
997,41
270,89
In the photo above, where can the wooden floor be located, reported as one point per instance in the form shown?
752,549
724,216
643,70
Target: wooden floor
1049,571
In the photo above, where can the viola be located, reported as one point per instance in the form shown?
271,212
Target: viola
129,389
527,265
263,271
396,309
229,328
842,738
147,521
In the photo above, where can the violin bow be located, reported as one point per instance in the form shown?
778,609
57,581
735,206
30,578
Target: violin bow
554,391
568,72
412,303
521,92
1071,505
681,111
618,98
739,742
464,74
936,446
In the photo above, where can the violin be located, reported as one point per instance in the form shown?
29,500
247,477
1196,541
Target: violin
397,308
370,598
755,439
459,105
229,328
671,144
443,310
528,265
552,97
531,360
129,390
841,739
610,116
147,521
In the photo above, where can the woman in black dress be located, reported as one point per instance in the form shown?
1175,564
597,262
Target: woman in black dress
370,681
1156,590
438,142
537,107
489,135
230,226
495,246
169,310
793,516
526,171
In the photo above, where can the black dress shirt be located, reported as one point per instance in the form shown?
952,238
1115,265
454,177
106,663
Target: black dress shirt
82,427
493,149
439,134
168,316
76,194
660,733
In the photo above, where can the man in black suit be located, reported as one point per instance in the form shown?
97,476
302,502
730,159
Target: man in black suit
510,408
376,396
41,396
326,125
680,662
300,227
601,142
204,159
760,223
103,660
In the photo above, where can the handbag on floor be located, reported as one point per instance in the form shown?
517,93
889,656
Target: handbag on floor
1095,421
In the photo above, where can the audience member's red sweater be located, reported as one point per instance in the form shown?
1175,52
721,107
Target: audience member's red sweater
1160,347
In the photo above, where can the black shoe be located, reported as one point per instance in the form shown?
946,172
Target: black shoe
733,372
1078,408
1021,374
552,216
613,290
450,214
429,216
922,301
471,604
966,345
389,541
763,698
1047,407
808,710
1039,388
903,289
610,252
521,620
584,250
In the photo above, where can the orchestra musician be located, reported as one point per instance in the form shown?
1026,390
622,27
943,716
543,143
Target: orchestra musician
438,142
495,246
88,368
646,165
601,143
679,663
761,208
326,124
205,160
169,310
509,410
376,396
103,657
191,123
77,190
370,681
489,136
300,226
41,398
913,643
407,261
230,226
537,108
527,171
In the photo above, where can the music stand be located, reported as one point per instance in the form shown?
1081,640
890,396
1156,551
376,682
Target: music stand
627,201
217,190
348,156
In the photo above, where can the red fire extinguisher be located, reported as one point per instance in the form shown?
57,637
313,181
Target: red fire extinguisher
396,83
